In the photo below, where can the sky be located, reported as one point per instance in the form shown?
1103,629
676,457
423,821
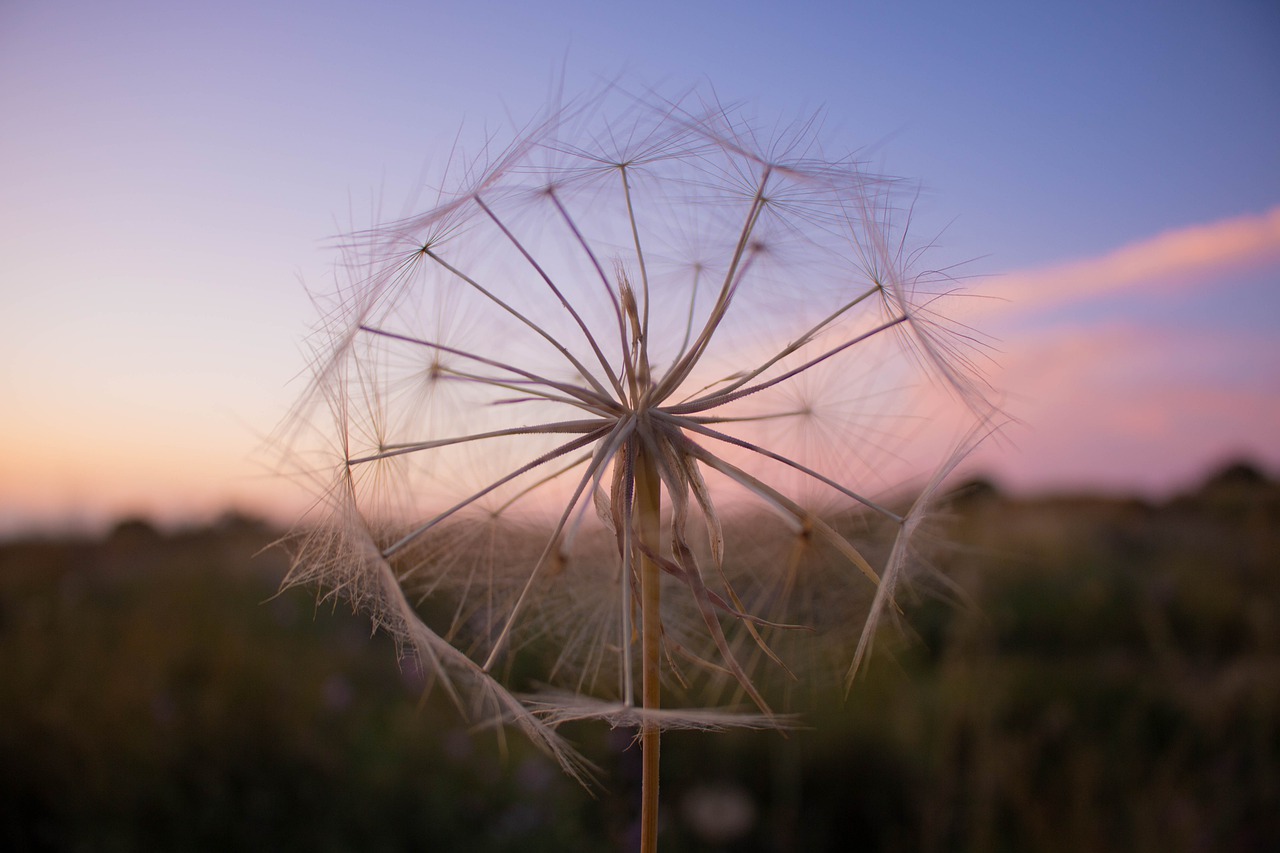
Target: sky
172,176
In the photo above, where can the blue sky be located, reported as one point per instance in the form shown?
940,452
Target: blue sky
171,173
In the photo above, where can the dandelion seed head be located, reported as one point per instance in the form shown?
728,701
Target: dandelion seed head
631,285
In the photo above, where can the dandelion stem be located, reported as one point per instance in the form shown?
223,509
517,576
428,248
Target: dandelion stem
648,511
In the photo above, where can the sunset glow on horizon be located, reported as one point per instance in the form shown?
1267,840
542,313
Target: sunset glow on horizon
174,176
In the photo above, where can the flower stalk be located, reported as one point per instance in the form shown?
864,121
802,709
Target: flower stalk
648,525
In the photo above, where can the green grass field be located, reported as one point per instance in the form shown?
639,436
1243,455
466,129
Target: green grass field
1113,683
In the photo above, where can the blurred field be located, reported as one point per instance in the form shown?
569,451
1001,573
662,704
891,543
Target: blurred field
1113,684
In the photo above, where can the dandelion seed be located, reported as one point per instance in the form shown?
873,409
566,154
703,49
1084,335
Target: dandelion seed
573,398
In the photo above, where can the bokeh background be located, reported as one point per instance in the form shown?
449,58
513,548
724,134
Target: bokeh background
1105,179
1106,174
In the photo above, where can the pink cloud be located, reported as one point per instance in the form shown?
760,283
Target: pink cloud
1174,258
1127,407
1122,403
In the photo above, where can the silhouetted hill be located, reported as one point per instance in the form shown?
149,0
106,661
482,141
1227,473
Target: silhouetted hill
1239,489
